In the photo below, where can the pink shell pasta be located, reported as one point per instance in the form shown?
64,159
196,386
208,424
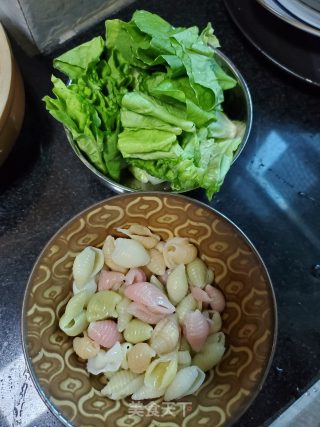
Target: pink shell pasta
110,280
147,294
135,275
104,332
195,329
217,300
200,295
143,313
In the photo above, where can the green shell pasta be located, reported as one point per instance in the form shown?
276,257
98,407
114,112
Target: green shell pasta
74,320
212,352
102,305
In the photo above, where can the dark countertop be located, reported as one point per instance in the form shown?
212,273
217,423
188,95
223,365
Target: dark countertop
272,193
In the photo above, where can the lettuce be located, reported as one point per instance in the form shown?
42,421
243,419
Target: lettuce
149,98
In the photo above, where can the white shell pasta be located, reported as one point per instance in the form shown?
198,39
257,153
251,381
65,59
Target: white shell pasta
162,371
90,286
156,264
186,382
212,352
141,234
87,264
107,249
197,273
177,284
106,361
165,336
129,253
122,384
125,347
159,246
123,316
185,306
178,250
184,358
137,331
147,392
74,320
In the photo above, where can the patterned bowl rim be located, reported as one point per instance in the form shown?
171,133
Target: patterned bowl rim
46,399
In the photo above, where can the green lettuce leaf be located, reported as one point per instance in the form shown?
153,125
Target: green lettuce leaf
147,144
77,60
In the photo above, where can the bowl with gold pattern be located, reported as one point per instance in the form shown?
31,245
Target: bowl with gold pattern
249,318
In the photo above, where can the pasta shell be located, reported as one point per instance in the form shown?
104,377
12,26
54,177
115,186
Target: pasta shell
135,275
147,392
86,265
165,336
184,358
210,276
110,280
178,250
105,332
200,295
161,372
184,345
125,347
195,329
102,305
177,284
143,313
137,331
164,277
156,264
106,361
214,320
187,381
109,375
107,249
147,294
197,273
122,384
185,306
160,245
212,352
139,357
129,253
90,287
85,347
74,320
124,316
217,298
141,234
155,281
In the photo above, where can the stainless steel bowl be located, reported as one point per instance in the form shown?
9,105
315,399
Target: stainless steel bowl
237,105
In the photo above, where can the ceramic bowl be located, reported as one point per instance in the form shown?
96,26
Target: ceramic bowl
249,319
237,105
12,101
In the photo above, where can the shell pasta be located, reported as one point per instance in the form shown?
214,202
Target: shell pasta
146,314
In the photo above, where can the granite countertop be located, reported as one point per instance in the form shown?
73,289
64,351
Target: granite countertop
272,193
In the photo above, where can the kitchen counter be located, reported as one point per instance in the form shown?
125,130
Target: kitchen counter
272,193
